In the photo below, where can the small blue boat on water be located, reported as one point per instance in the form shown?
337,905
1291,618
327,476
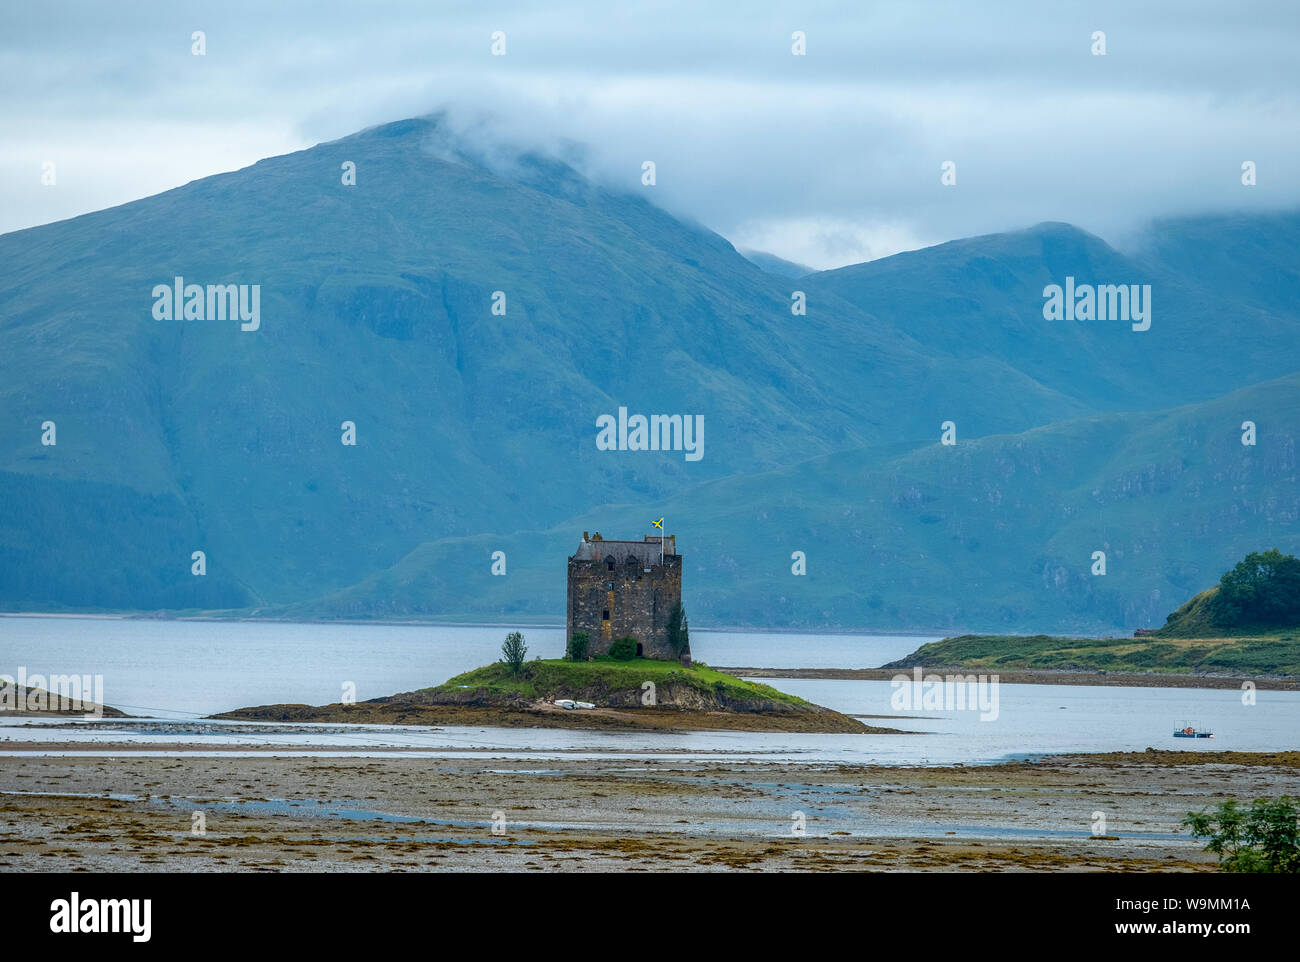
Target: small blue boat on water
1191,731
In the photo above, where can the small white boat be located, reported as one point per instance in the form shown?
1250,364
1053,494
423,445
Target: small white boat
570,704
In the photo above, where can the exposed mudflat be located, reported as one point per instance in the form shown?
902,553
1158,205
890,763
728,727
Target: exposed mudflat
266,813
545,715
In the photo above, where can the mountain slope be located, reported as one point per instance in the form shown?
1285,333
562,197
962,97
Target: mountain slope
1211,329
992,534
376,308
175,436
778,266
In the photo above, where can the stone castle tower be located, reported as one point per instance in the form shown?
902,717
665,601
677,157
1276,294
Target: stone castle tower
622,589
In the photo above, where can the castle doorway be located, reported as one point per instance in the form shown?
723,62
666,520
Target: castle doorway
639,650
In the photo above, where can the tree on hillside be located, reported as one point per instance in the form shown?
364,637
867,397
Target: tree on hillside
513,652
1263,589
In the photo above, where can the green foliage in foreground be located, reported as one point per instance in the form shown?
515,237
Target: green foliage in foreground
551,678
1249,656
1262,838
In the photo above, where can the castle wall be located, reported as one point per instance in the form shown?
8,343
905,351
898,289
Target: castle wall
639,603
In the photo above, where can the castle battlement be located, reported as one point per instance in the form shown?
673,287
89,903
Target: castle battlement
624,589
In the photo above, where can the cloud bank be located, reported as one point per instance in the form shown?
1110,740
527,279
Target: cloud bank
825,159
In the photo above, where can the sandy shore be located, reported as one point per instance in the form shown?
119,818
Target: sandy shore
266,813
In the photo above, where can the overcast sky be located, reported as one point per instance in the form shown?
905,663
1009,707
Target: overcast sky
827,159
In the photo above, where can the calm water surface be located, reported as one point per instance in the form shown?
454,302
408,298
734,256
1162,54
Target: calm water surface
181,670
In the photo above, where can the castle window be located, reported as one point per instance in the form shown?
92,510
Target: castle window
605,614
609,562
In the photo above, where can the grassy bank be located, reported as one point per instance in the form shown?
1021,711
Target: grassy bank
612,682
1276,654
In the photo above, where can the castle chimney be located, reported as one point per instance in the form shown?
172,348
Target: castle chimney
584,536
